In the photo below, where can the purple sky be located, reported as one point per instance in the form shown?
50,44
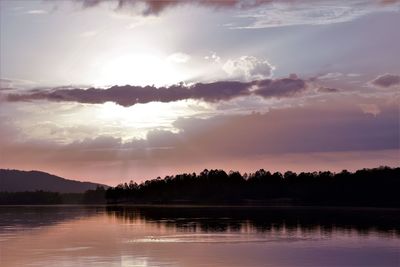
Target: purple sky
110,91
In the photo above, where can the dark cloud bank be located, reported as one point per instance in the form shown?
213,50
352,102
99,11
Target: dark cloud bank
155,7
130,95
386,80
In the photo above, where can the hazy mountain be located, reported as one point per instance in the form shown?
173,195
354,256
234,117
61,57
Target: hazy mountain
16,181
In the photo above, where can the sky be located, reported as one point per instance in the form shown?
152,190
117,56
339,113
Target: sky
112,91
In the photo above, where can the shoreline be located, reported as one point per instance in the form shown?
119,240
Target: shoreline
300,207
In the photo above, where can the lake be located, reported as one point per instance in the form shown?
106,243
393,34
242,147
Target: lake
198,236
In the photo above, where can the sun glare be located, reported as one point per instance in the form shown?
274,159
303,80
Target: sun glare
141,70
136,121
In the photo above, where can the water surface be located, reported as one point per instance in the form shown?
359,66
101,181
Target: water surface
198,236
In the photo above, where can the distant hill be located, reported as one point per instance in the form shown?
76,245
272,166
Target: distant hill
19,181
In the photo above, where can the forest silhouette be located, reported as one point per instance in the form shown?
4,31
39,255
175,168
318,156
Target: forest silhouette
366,187
376,187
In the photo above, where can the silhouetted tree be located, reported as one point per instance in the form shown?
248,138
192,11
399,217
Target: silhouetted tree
96,196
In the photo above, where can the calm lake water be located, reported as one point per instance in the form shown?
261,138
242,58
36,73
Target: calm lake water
194,236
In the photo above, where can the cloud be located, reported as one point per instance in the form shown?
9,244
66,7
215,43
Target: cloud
285,87
353,75
11,84
316,127
213,57
5,89
335,126
6,84
178,57
248,68
386,2
36,12
386,81
139,21
372,109
288,13
262,13
330,76
130,95
155,7
324,89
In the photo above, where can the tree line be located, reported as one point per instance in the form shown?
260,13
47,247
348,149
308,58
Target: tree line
40,197
366,187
